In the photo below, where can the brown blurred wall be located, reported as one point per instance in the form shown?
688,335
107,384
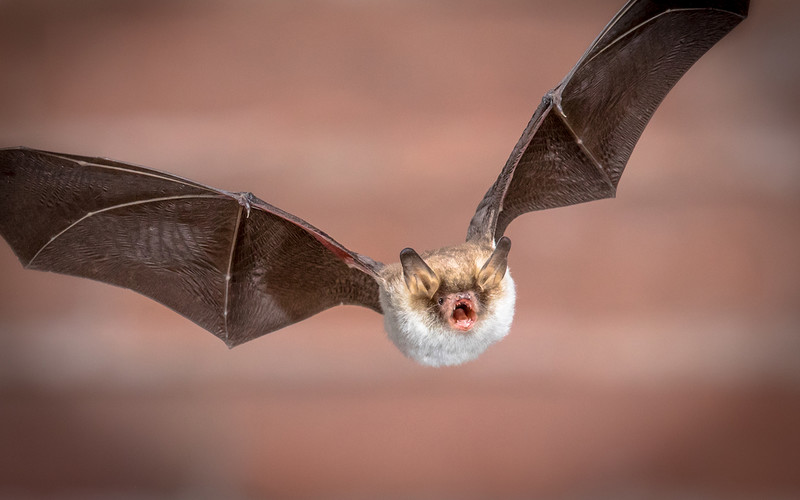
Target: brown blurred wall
656,346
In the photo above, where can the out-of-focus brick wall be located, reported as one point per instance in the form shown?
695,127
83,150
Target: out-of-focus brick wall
656,347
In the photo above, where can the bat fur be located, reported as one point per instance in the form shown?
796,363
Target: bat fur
420,326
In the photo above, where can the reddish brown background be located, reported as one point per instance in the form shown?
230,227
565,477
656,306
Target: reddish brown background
656,349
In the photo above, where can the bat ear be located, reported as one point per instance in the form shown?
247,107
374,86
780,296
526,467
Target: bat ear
420,279
491,274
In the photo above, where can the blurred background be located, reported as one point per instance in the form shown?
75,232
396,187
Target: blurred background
656,347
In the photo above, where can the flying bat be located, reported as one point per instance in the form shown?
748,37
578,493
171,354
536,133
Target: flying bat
241,268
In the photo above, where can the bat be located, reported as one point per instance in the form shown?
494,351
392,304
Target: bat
241,268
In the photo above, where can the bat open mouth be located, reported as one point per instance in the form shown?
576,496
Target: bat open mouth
464,315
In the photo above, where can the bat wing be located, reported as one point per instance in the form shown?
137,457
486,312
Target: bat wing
233,264
577,144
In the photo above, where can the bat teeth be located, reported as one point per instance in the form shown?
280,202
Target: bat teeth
462,303
463,316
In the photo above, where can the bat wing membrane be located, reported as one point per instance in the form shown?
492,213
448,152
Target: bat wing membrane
230,262
576,146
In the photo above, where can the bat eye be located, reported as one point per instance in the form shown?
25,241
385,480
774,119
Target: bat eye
441,300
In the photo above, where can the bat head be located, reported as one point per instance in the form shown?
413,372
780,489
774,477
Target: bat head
467,284
449,305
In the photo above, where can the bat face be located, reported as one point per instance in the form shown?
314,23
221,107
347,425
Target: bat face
448,306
